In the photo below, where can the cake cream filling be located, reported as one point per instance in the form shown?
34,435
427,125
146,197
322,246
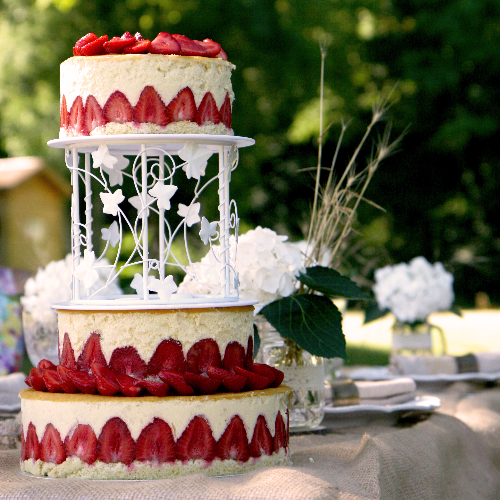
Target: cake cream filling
144,330
66,411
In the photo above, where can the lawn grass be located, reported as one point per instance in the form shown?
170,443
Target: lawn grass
366,355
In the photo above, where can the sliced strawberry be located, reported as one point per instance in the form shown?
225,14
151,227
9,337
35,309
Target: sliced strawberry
211,48
182,107
67,357
94,116
81,442
168,356
249,355
262,440
76,119
190,47
207,110
222,55
89,37
233,444
276,376
156,443
155,388
129,386
280,439
116,44
66,383
196,442
140,47
201,383
94,48
118,109
64,113
36,380
138,37
127,35
85,382
177,382
51,446
92,353
45,364
23,445
203,354
255,382
234,355
230,381
105,380
165,43
226,112
52,380
127,360
150,108
115,444
32,446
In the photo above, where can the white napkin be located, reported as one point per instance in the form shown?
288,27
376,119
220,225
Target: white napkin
10,386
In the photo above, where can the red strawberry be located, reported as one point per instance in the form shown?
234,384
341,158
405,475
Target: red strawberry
129,386
168,356
182,107
150,108
91,353
115,444
280,439
52,380
67,357
94,48
211,48
234,355
190,47
249,355
138,47
196,442
156,443
32,446
23,445
89,37
127,35
276,376
116,44
203,354
230,381
64,113
233,444
118,109
222,55
207,110
51,447
202,384
165,43
138,37
127,360
177,382
85,382
66,383
93,114
35,380
226,112
262,441
81,442
255,382
155,388
45,364
76,119
105,380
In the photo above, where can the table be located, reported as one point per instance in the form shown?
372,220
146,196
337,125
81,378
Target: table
452,454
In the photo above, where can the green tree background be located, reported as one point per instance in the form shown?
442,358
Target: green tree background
439,192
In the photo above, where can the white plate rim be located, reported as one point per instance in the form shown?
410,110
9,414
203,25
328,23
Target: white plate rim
420,403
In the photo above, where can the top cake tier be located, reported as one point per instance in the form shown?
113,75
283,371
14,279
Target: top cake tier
145,93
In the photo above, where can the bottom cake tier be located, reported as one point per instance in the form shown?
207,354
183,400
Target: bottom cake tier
110,437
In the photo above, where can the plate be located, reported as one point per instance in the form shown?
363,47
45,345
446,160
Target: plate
10,402
382,373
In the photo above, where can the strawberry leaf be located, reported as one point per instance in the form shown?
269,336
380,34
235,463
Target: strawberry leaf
312,321
331,283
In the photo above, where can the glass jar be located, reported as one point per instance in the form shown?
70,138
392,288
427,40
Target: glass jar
304,373
40,336
417,339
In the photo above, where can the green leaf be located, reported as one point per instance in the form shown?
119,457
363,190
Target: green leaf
312,321
373,312
331,283
256,340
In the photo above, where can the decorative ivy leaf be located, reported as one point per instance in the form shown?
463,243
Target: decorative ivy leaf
313,321
256,340
373,312
331,283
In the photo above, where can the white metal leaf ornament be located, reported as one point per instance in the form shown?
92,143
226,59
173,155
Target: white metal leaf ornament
111,234
85,271
208,230
115,173
165,288
163,193
196,158
191,213
102,157
69,158
138,284
136,202
111,201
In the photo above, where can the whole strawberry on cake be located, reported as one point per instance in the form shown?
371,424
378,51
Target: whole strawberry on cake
130,85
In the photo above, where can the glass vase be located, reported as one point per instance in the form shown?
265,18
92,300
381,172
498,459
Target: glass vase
40,336
304,373
417,339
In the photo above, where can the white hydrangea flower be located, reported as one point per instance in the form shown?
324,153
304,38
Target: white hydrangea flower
414,291
267,268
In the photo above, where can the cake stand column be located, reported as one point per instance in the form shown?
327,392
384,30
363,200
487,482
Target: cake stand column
88,205
161,232
75,222
224,172
144,215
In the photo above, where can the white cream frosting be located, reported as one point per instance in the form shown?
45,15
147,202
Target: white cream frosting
144,330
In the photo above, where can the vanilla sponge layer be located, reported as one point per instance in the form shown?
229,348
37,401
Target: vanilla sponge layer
144,330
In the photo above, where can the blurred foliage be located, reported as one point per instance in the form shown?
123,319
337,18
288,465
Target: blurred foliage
439,191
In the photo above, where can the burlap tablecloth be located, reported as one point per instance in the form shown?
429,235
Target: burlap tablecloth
453,454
